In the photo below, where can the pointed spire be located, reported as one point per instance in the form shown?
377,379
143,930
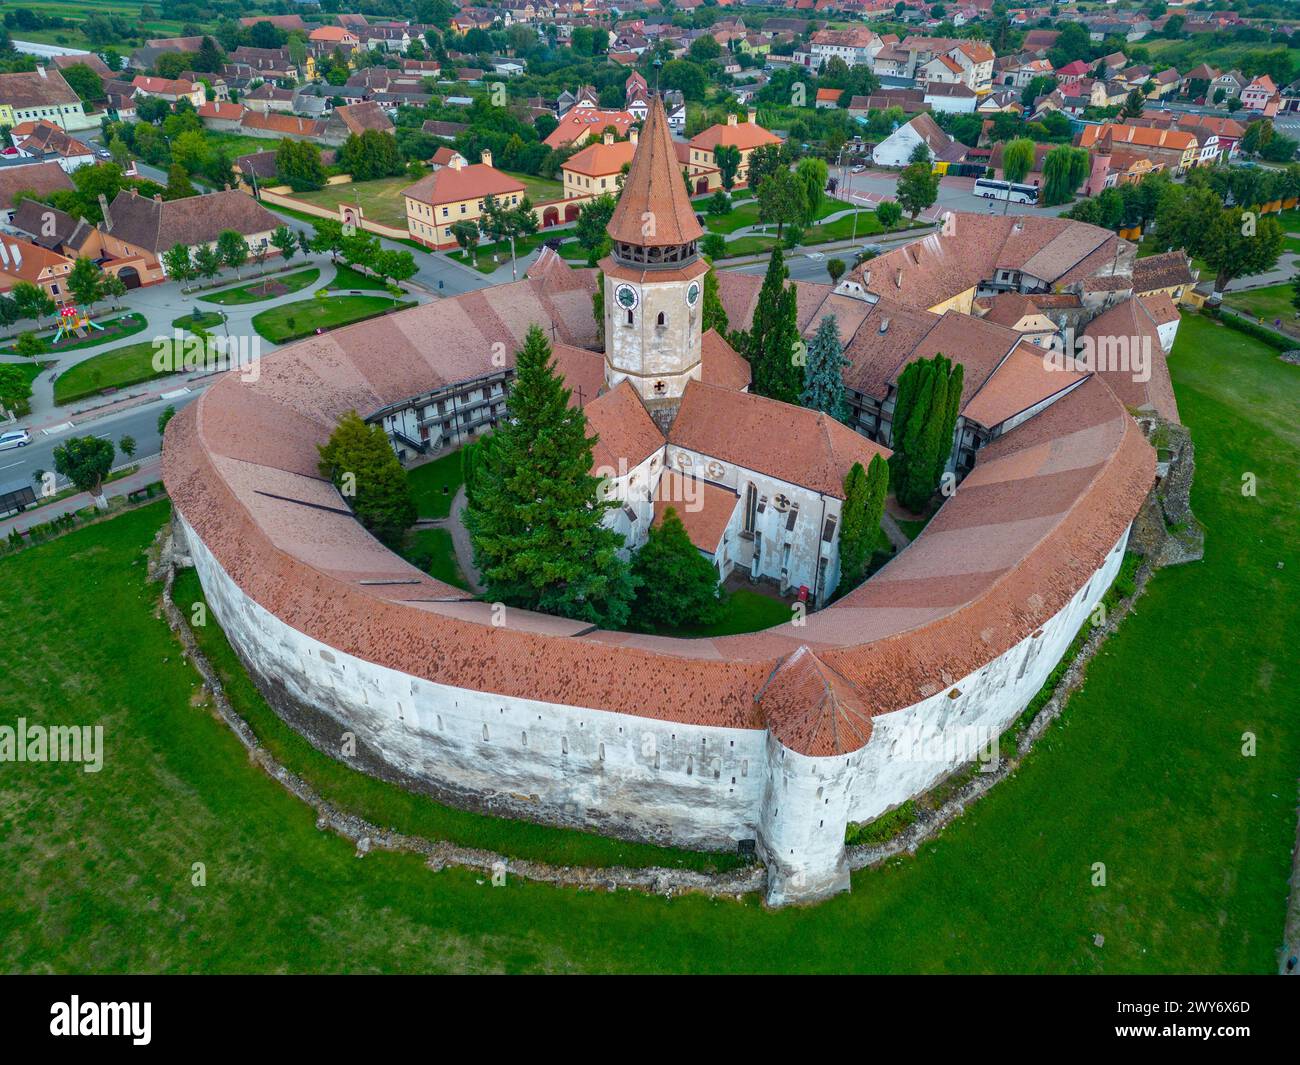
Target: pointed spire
654,209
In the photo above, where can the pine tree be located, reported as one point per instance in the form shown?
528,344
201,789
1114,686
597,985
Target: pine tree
362,464
823,376
864,506
534,516
676,585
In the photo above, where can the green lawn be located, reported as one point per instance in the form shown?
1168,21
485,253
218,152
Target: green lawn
1266,304
538,189
345,277
292,321
483,253
743,611
1144,773
381,201
842,228
204,319
435,553
267,288
122,367
114,329
435,484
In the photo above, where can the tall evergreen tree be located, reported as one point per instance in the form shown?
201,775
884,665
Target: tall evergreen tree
823,376
925,415
676,585
772,341
534,515
360,461
864,506
715,315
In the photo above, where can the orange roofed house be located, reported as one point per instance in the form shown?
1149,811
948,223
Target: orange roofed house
746,136
1179,150
455,193
595,170
21,260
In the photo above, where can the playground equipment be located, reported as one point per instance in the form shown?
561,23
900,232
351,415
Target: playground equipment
73,321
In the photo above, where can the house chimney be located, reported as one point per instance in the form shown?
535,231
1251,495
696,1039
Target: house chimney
608,138
457,161
103,209
18,257
632,135
752,116
41,71
157,197
486,157
731,120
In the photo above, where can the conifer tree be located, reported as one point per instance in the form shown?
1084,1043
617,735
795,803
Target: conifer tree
715,315
823,376
534,515
864,506
925,415
774,336
363,466
676,585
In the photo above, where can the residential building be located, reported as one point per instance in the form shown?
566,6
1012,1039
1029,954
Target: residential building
746,136
42,94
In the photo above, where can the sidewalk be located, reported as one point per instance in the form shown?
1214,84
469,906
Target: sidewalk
150,471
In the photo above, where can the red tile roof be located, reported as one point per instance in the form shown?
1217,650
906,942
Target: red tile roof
654,209
452,185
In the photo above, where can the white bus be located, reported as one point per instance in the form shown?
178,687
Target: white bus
990,189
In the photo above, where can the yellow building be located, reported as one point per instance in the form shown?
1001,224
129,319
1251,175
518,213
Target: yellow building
455,193
743,135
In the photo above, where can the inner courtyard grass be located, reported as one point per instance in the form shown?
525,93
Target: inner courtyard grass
1144,772
435,484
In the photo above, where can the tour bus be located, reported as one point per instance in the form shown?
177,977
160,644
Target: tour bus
990,189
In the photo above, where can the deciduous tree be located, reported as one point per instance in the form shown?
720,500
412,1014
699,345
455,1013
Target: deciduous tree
86,461
362,464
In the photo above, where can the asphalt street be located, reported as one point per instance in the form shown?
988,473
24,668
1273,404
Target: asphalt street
141,423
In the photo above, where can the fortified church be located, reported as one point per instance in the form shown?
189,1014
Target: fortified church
776,740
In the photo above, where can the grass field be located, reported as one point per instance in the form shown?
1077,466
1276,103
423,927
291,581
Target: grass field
122,367
345,277
1143,772
435,484
381,201
204,319
257,291
293,320
435,553
538,189
743,611
1267,304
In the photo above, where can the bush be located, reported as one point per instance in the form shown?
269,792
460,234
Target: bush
887,826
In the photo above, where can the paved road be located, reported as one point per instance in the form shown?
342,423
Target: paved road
22,464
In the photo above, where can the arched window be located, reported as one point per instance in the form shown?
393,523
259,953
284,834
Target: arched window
661,320
629,317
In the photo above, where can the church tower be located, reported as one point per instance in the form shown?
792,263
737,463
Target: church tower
654,277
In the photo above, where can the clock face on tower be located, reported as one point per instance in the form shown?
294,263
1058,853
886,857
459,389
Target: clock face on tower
693,293
626,296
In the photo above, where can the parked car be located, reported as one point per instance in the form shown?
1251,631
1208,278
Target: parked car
15,438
